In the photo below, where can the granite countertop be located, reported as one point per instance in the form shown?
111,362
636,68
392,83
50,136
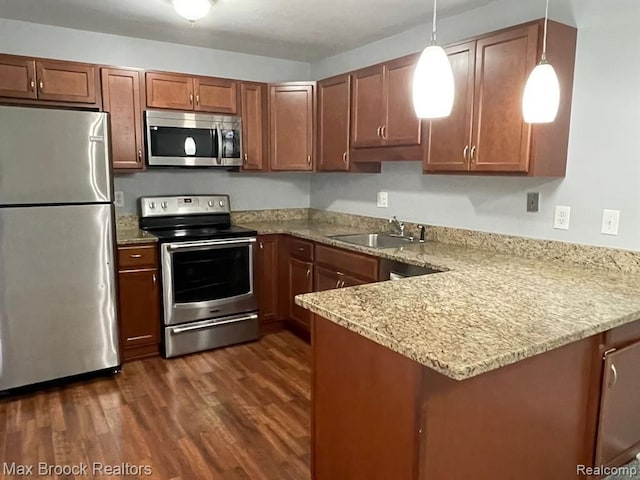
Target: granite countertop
133,236
487,309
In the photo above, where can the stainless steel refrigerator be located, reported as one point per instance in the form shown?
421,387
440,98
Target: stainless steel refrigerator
57,277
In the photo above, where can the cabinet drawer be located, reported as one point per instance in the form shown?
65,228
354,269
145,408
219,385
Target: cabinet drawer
301,249
137,257
361,266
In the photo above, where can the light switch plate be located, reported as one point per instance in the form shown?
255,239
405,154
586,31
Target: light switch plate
610,222
118,199
562,217
383,199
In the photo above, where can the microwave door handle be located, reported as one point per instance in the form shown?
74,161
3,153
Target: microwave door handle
219,130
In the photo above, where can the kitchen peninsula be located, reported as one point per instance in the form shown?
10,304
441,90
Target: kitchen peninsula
499,365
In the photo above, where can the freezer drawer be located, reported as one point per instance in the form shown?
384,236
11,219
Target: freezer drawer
57,293
53,156
208,334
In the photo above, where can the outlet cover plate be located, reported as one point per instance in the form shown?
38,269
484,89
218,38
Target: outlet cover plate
383,199
562,217
533,202
610,222
118,199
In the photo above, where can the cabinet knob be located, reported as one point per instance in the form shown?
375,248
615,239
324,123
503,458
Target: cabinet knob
154,278
473,154
261,246
338,283
309,159
197,99
139,156
246,157
379,134
137,255
32,84
465,153
191,99
614,376
383,132
344,157
41,85
308,273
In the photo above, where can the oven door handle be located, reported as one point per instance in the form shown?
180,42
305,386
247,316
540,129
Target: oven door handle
213,243
213,323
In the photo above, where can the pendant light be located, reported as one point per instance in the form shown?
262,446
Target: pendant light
433,84
541,98
192,10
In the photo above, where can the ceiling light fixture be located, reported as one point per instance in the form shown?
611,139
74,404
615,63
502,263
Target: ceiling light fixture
433,84
192,10
541,98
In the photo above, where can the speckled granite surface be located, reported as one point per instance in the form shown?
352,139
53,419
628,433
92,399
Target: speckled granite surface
132,236
487,309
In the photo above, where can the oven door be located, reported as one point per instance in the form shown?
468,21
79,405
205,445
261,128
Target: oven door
207,279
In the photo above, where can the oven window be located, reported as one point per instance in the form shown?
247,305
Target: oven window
205,275
183,142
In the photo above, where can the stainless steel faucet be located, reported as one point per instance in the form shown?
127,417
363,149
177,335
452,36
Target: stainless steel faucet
397,227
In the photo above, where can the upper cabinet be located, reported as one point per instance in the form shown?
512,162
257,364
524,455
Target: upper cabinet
183,92
122,98
382,108
49,81
291,107
486,131
254,110
334,99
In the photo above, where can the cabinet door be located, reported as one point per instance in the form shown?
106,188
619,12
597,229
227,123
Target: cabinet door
450,138
121,98
300,281
619,423
66,81
334,105
401,125
326,279
368,113
503,64
266,278
291,127
17,77
253,97
217,95
169,91
349,281
139,308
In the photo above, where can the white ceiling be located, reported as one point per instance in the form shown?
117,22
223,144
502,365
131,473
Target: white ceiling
305,30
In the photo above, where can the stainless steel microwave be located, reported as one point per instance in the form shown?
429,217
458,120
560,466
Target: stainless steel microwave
185,139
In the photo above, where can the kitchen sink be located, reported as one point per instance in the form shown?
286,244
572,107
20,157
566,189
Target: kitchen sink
375,240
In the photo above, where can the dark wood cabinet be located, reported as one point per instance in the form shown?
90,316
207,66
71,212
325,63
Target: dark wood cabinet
368,107
254,109
619,420
334,106
217,95
486,131
17,77
66,81
326,279
450,138
300,281
139,302
267,278
183,92
169,91
291,126
122,98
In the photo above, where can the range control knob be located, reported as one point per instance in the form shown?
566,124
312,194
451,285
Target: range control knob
152,205
221,203
163,204
211,203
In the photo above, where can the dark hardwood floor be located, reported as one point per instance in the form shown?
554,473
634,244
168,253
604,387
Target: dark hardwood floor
237,413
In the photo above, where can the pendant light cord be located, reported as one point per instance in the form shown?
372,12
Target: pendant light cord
433,32
544,37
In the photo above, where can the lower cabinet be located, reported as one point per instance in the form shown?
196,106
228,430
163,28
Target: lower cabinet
300,281
139,302
266,277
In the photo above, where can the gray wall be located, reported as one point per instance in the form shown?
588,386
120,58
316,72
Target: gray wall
603,166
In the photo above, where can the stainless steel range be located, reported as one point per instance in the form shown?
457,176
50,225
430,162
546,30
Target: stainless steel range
207,272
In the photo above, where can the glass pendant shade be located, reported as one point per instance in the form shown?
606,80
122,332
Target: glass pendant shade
541,98
433,84
192,10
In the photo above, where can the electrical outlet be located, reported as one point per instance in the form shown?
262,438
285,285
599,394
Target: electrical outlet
533,202
562,217
118,199
610,222
383,199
